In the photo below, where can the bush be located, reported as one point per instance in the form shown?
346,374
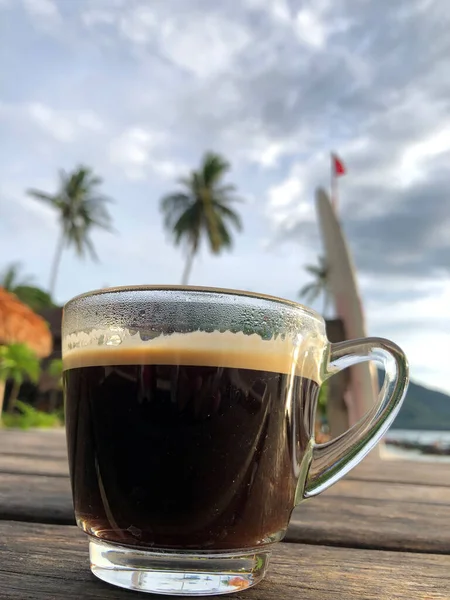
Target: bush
323,400
30,417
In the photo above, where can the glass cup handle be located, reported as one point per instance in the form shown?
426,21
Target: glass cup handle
332,460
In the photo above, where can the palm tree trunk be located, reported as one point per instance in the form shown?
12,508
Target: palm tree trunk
2,396
188,267
13,396
55,264
53,399
325,303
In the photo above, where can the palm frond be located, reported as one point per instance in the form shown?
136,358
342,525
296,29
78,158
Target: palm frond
199,210
8,277
96,214
307,289
90,248
174,203
227,191
11,279
226,240
313,270
320,285
46,198
229,214
34,297
63,179
186,180
17,361
188,226
213,169
310,292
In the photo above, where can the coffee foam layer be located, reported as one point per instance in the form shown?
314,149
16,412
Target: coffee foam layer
302,356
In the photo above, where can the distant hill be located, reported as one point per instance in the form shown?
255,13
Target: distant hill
423,409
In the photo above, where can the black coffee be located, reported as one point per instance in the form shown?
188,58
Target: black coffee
176,456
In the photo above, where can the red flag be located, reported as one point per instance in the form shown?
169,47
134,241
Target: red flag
338,166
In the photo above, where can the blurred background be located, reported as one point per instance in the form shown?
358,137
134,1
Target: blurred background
119,117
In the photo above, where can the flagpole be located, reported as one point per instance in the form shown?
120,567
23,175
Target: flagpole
333,183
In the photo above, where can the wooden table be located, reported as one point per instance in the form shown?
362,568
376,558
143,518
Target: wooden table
382,533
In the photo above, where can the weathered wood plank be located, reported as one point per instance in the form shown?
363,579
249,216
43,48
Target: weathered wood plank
34,465
402,471
36,498
51,562
344,489
364,521
383,475
46,442
38,446
369,523
350,488
38,489
401,492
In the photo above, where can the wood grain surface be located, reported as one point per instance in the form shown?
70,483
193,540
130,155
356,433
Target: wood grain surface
351,517
38,443
37,447
423,472
51,562
36,498
30,464
338,545
367,523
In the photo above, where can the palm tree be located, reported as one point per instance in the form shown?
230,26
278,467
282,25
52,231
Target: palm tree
81,208
201,209
11,278
17,362
36,298
319,286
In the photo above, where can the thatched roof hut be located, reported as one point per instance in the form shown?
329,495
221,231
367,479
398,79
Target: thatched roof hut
19,324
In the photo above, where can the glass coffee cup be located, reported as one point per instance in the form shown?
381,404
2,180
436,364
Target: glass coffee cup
190,429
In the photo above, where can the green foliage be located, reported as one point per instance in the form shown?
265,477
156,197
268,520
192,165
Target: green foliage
17,361
319,286
55,369
201,210
34,297
323,399
27,417
11,279
80,208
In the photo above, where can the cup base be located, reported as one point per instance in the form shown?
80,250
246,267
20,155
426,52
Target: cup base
177,573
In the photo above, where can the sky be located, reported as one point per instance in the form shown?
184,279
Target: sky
139,90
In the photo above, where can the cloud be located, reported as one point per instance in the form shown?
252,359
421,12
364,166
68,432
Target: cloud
137,151
394,201
418,319
199,42
310,28
93,17
42,9
278,10
418,155
412,238
184,43
284,193
140,90
61,125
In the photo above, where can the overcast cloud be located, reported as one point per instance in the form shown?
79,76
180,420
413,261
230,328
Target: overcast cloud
139,90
